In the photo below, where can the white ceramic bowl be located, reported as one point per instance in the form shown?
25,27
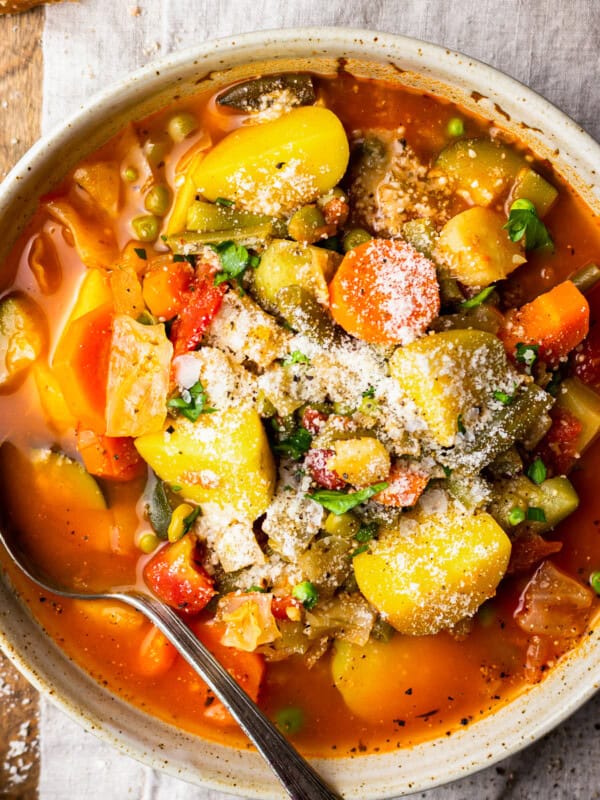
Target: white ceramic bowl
432,69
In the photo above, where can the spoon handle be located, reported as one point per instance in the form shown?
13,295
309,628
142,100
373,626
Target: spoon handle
297,777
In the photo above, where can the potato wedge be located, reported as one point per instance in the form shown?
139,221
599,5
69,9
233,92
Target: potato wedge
433,571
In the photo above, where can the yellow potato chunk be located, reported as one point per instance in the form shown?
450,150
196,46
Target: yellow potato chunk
52,399
94,292
434,571
481,170
476,249
276,166
447,374
286,263
23,338
360,461
222,458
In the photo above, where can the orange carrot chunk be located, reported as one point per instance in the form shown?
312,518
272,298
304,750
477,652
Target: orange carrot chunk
167,286
385,292
556,322
405,486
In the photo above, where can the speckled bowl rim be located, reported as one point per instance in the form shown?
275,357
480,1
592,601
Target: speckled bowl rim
485,90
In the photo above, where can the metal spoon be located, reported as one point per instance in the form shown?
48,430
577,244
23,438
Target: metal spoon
297,777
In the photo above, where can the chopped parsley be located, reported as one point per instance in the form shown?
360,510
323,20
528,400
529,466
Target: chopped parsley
140,253
479,298
362,549
536,514
537,471
370,392
527,353
503,397
524,223
460,425
191,402
235,260
295,445
179,257
338,501
595,581
296,357
366,532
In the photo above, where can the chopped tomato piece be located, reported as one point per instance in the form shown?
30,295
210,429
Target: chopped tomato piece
247,669
286,607
112,457
313,420
385,292
405,486
528,550
316,463
558,449
201,307
556,321
81,366
156,655
167,286
175,577
586,359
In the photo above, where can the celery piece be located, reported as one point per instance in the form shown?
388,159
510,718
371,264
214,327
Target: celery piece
204,217
556,498
559,500
192,241
584,403
533,187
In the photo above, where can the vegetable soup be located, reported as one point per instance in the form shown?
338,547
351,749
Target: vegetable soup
315,361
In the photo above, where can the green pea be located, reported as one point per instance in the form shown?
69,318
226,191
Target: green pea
456,127
595,581
181,126
354,238
306,224
146,228
158,200
130,174
307,593
289,720
156,150
148,542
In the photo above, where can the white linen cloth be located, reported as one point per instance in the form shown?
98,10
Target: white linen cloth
552,46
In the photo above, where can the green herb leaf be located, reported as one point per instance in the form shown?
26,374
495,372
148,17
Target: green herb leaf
362,549
235,259
295,358
338,501
479,298
223,201
370,392
190,519
255,588
527,353
503,397
516,515
537,471
366,532
595,581
175,487
295,445
191,403
307,593
523,222
140,253
536,514
447,471
460,425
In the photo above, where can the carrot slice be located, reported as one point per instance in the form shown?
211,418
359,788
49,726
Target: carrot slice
385,292
405,486
167,286
557,321
112,457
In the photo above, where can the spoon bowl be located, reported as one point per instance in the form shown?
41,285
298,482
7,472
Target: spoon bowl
294,773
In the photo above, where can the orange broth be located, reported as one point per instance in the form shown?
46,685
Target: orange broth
440,683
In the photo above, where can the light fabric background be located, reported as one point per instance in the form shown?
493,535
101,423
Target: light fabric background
551,45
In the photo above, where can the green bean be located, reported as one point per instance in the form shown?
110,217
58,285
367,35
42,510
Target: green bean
146,228
182,125
158,200
421,234
481,318
305,314
586,278
204,217
191,242
307,224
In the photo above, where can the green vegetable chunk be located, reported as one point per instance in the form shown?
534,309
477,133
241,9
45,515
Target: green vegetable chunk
254,95
306,593
339,502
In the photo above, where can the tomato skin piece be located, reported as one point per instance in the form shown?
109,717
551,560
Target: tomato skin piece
201,307
175,578
81,366
316,463
558,449
586,359
111,457
313,420
385,292
528,550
